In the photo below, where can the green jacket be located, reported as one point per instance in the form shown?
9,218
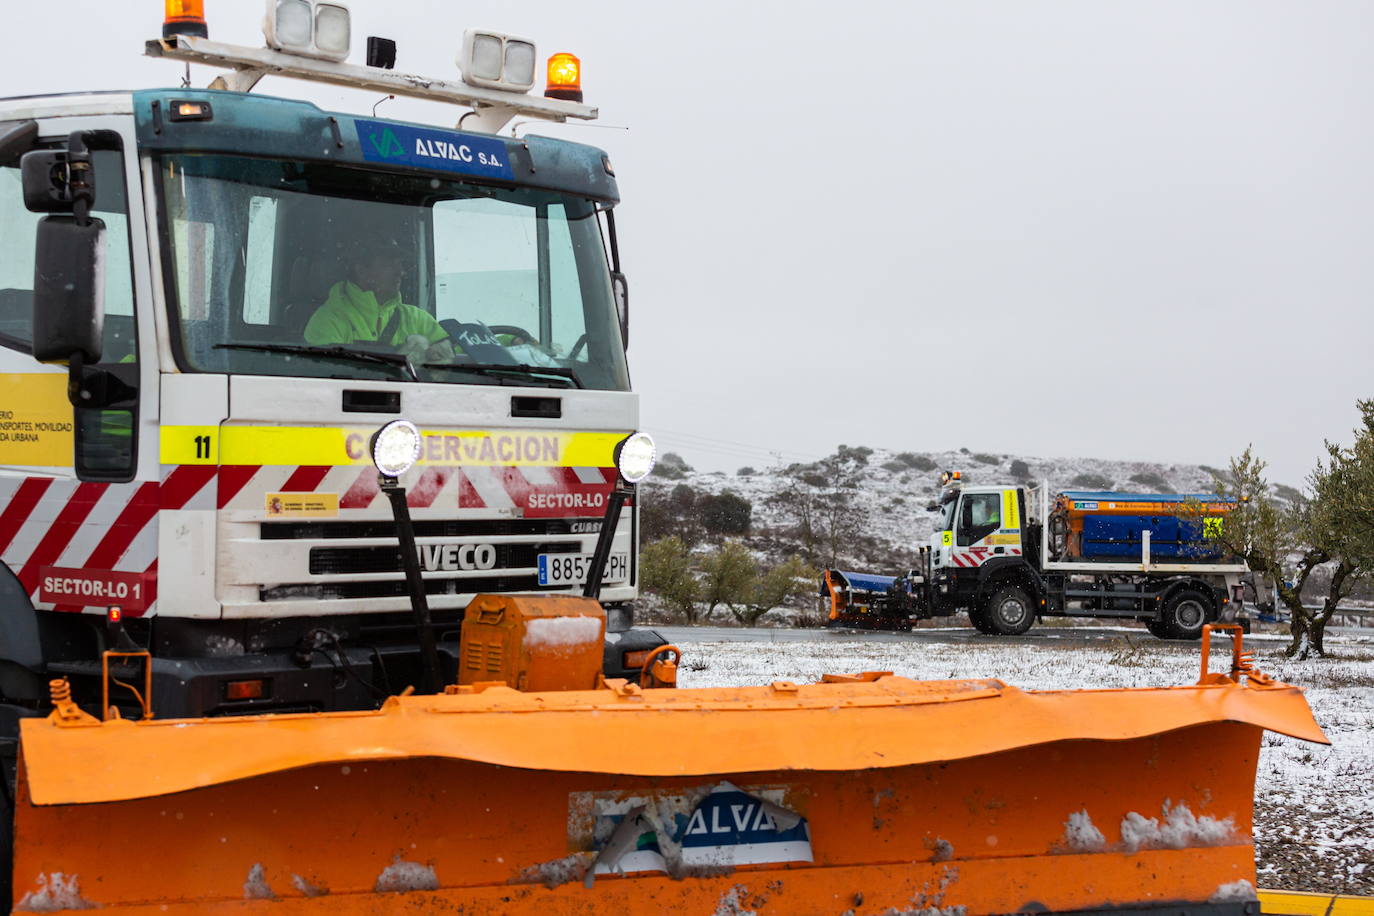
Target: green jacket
353,314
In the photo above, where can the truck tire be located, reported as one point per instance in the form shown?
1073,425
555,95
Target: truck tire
1185,614
1157,629
1009,612
978,617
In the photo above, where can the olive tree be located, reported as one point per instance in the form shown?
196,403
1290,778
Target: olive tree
1327,528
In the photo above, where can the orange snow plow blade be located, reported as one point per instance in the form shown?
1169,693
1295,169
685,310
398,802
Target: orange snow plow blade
864,794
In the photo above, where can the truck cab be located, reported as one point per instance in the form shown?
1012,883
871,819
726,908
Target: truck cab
210,300
981,534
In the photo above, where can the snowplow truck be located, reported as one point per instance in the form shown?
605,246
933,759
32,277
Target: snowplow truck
1009,555
211,299
296,626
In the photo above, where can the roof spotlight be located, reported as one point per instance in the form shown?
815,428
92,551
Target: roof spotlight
311,28
492,60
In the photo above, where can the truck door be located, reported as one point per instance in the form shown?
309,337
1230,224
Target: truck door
989,525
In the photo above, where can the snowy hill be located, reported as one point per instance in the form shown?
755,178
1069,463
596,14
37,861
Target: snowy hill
896,487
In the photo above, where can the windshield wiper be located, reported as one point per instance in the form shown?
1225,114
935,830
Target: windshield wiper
513,369
366,356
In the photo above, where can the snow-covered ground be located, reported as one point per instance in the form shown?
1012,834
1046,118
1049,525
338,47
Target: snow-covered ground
1314,805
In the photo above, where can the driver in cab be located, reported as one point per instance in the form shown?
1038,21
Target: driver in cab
366,307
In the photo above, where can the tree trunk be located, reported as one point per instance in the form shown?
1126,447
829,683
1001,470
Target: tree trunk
1301,644
1300,647
1335,594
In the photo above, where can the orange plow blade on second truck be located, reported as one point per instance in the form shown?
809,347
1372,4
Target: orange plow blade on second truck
867,794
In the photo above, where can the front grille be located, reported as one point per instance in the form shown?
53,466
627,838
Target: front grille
344,561
438,528
397,588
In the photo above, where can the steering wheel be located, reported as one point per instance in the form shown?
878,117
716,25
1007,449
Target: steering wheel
519,333
577,347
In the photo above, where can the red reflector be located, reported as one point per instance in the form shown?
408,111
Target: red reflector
637,659
114,614
243,690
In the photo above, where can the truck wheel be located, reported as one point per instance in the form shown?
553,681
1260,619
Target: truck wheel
1009,612
1157,629
1185,614
979,618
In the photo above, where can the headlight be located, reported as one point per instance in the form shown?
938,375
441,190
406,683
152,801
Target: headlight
635,456
395,448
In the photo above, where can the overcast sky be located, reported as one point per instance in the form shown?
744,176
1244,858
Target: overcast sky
1126,230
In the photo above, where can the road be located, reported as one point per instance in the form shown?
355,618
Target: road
1063,636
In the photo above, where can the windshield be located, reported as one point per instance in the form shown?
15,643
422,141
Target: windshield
312,269
946,522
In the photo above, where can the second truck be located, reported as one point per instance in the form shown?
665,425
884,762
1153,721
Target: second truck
1008,555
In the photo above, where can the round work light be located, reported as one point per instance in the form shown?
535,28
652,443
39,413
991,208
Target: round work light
635,456
395,448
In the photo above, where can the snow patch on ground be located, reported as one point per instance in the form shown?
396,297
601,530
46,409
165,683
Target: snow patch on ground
560,632
402,876
1179,829
1080,834
55,892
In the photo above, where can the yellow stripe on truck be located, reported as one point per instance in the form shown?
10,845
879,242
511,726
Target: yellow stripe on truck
333,445
1299,903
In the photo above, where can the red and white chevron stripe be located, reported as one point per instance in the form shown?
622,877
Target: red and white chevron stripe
67,524
973,557
64,524
537,492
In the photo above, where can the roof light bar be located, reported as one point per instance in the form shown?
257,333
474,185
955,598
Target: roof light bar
247,65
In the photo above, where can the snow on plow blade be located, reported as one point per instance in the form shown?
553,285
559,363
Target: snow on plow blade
865,794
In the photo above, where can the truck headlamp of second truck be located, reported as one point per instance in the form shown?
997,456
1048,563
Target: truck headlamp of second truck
635,456
395,448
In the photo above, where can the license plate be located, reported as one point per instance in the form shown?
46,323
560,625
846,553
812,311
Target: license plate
571,568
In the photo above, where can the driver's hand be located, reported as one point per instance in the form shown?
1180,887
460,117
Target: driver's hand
414,347
440,351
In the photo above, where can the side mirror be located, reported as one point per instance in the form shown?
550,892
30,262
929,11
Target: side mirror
69,290
620,288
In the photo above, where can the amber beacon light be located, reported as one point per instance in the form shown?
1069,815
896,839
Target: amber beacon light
185,17
565,77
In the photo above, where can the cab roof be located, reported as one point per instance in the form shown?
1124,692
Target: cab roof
265,125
